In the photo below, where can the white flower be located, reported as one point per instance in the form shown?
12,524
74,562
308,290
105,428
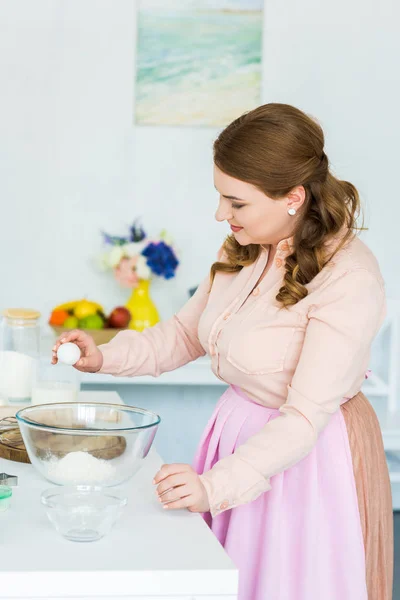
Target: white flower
114,256
134,248
142,270
102,261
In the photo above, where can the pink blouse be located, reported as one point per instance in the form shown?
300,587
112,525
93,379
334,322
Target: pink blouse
305,360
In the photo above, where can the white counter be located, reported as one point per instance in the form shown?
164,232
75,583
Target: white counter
150,553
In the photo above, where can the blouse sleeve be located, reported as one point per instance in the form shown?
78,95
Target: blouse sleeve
164,347
336,348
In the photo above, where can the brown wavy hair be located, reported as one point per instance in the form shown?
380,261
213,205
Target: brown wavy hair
276,148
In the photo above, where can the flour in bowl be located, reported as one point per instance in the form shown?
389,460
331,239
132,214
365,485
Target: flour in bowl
79,467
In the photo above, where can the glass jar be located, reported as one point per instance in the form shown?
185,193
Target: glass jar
54,383
19,352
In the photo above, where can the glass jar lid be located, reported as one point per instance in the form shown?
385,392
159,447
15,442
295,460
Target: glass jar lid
22,317
23,314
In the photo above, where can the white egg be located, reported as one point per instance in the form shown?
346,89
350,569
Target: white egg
68,353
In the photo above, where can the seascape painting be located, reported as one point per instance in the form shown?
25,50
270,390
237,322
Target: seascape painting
198,61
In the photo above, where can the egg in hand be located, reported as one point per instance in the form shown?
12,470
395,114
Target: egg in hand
68,353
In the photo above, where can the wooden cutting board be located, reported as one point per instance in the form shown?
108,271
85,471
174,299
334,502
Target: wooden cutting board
10,452
104,448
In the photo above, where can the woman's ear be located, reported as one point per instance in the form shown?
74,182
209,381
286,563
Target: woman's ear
296,198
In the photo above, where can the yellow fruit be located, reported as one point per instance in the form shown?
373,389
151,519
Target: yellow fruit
85,308
70,306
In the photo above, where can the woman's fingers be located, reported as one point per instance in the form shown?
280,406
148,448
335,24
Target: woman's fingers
91,357
171,482
181,503
82,339
172,469
174,494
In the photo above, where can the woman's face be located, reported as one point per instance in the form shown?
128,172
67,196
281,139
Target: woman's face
255,218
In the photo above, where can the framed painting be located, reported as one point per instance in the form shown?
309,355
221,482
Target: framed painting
198,61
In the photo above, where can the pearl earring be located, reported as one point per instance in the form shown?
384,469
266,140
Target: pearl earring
292,212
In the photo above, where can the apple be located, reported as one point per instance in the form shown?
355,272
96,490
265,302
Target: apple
119,318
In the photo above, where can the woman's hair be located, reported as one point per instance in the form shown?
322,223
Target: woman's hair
276,148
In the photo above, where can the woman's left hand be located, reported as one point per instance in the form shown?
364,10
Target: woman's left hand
179,486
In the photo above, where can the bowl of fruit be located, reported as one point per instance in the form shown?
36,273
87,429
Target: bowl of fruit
91,317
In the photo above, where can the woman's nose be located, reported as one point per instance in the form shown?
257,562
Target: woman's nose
224,211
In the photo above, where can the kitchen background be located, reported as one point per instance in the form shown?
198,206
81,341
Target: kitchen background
76,157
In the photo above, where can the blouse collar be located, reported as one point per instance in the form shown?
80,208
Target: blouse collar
285,247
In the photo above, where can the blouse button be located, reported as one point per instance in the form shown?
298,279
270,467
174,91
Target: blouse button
256,291
226,317
278,262
224,505
285,246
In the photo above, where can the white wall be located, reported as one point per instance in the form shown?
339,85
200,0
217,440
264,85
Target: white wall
71,161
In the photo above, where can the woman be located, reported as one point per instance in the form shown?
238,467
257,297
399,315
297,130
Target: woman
290,473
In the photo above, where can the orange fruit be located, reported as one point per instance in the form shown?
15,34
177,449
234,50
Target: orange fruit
58,317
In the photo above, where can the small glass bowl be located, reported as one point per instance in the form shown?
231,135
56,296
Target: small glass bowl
83,513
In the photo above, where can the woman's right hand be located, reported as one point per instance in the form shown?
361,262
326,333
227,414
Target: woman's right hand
91,357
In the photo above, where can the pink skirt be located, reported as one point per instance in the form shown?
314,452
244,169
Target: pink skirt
303,539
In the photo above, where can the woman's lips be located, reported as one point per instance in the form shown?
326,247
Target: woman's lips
236,229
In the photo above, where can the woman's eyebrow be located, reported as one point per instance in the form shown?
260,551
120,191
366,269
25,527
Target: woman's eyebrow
231,197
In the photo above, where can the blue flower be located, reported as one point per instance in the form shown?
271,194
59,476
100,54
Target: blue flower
161,259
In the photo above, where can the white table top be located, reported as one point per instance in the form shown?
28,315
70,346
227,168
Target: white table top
149,553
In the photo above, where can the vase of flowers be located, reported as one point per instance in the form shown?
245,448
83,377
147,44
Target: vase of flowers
135,260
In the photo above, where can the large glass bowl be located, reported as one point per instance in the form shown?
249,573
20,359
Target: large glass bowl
85,443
